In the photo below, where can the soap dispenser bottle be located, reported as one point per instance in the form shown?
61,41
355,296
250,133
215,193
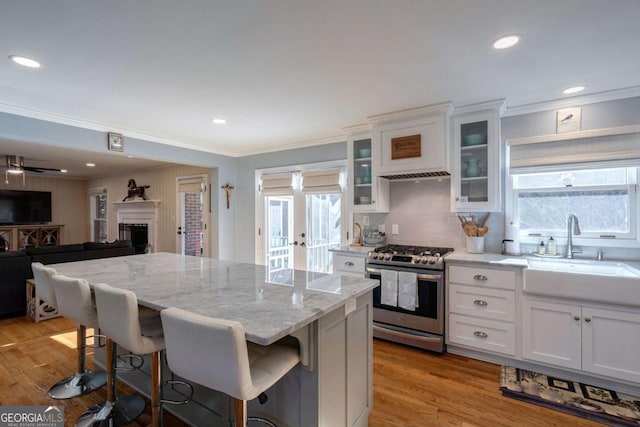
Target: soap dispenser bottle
551,247
541,248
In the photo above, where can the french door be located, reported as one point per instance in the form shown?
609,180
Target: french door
192,233
300,227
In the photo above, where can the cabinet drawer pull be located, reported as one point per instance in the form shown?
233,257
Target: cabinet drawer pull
481,302
349,264
587,319
480,277
576,318
480,334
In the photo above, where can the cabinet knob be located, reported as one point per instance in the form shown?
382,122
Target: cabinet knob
349,264
480,277
481,302
587,319
480,334
576,318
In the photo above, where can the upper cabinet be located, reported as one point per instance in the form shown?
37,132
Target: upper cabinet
412,143
367,192
476,158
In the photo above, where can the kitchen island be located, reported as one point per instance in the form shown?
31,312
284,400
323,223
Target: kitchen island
329,315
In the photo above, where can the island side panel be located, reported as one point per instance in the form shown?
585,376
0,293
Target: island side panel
345,365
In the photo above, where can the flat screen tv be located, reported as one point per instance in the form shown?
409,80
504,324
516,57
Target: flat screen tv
24,207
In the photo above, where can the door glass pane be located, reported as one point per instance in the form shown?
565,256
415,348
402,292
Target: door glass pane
279,234
473,149
323,230
193,224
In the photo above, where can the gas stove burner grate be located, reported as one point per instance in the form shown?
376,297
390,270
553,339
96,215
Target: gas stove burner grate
413,250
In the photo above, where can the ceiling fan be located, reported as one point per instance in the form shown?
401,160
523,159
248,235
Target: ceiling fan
16,166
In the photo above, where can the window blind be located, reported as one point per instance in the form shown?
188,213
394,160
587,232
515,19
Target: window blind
277,185
588,149
190,185
325,181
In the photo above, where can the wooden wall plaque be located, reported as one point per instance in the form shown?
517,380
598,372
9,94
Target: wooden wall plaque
405,147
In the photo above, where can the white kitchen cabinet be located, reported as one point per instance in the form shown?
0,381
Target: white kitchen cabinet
368,193
596,340
476,158
551,333
348,265
412,142
481,308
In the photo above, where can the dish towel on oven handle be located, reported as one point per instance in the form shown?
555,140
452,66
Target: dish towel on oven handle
408,290
389,288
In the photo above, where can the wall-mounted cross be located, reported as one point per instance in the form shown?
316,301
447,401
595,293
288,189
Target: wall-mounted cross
227,188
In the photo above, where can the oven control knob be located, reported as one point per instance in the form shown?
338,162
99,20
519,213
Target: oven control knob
432,260
423,259
387,257
371,255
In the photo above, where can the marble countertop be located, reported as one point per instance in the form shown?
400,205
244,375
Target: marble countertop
488,258
269,306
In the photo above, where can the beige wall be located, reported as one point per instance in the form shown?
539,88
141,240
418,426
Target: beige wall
163,187
69,203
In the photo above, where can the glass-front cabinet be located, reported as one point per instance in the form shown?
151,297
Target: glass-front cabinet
368,193
476,160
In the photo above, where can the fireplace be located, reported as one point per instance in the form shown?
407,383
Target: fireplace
137,233
138,221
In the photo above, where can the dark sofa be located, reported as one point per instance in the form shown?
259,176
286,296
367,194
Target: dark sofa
15,267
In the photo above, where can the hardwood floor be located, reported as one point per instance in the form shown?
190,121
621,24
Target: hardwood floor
411,387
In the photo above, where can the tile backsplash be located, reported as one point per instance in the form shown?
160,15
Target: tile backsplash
422,211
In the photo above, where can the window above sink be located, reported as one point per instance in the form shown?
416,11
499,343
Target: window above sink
603,199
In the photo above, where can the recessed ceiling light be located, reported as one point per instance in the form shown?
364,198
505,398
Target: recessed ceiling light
219,121
506,41
63,170
130,157
24,61
90,165
574,89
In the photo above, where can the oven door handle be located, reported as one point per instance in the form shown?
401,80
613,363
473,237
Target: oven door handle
373,270
429,276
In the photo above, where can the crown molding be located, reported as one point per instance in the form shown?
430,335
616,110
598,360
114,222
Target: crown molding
412,113
573,101
101,127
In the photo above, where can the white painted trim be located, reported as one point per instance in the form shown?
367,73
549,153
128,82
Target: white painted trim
573,101
412,113
495,105
594,133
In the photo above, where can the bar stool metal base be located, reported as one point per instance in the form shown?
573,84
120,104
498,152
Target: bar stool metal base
78,385
119,413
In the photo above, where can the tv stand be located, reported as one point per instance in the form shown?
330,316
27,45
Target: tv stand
19,237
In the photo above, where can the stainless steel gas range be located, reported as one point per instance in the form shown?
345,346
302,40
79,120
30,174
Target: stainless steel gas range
408,306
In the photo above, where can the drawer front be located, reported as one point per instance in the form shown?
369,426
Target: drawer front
496,304
482,334
348,264
479,276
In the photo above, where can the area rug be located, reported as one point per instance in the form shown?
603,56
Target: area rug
583,400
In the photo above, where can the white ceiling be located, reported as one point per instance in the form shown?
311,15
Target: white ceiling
289,72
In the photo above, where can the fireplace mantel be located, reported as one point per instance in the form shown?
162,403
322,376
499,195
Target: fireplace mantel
140,212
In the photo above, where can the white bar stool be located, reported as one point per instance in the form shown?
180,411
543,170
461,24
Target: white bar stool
120,319
215,354
83,381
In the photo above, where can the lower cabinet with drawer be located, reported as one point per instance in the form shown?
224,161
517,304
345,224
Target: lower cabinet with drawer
481,308
347,264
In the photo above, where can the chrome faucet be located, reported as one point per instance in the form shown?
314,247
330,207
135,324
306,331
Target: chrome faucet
573,227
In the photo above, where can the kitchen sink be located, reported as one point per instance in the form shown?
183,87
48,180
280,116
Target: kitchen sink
596,281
